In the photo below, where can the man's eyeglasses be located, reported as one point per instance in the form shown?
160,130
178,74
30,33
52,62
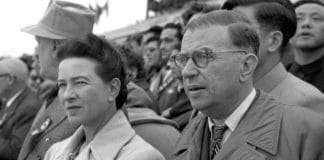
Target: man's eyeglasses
201,58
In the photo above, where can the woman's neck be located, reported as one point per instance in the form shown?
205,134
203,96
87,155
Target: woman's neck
92,129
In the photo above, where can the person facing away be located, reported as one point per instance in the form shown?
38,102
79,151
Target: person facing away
92,91
308,42
275,22
61,21
236,121
19,108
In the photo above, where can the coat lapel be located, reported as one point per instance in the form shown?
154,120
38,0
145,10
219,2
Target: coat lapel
258,129
108,142
194,141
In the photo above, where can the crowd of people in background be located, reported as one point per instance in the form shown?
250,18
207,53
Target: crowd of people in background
243,80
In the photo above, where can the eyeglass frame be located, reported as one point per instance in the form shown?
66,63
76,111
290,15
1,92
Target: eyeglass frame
209,53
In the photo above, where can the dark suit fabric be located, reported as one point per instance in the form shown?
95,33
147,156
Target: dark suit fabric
312,73
179,106
268,130
138,98
19,117
36,145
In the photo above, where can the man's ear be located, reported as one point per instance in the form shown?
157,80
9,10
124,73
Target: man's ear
250,62
56,45
274,40
114,89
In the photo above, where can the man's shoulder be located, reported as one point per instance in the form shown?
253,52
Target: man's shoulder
300,116
138,148
298,92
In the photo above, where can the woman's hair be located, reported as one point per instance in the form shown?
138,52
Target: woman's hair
108,58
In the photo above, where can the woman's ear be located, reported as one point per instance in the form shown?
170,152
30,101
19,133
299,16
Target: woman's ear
250,62
114,88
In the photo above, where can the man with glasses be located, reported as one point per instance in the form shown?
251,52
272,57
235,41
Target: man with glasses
235,121
19,107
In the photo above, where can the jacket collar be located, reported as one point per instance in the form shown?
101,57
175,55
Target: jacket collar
265,131
116,134
272,79
260,127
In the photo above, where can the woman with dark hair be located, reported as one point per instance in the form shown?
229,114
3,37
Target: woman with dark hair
92,90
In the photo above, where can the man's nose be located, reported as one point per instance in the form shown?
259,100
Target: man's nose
189,70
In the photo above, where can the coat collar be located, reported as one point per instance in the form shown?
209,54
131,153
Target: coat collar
116,134
272,79
264,133
260,127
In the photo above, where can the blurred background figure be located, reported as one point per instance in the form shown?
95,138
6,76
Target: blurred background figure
143,110
136,78
308,42
151,32
175,101
196,8
152,57
170,38
18,109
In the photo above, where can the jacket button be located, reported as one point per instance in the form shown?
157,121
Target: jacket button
47,139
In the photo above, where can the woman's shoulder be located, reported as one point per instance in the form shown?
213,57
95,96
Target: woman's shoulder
57,150
139,149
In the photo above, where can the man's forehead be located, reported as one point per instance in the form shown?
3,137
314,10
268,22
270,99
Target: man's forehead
211,37
305,8
74,68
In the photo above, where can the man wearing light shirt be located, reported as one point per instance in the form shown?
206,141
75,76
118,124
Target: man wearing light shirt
235,121
19,109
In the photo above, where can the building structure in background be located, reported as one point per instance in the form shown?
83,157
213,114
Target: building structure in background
159,12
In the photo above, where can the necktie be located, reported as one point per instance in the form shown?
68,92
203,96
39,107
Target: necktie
216,141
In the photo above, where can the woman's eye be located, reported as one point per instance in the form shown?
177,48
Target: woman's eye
80,83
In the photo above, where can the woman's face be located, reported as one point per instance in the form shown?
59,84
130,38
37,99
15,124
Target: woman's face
83,94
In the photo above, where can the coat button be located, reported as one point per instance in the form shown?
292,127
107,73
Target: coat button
47,139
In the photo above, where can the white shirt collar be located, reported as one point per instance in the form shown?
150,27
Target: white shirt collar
13,98
233,120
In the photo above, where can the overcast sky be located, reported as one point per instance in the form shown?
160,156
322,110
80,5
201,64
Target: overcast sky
16,14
